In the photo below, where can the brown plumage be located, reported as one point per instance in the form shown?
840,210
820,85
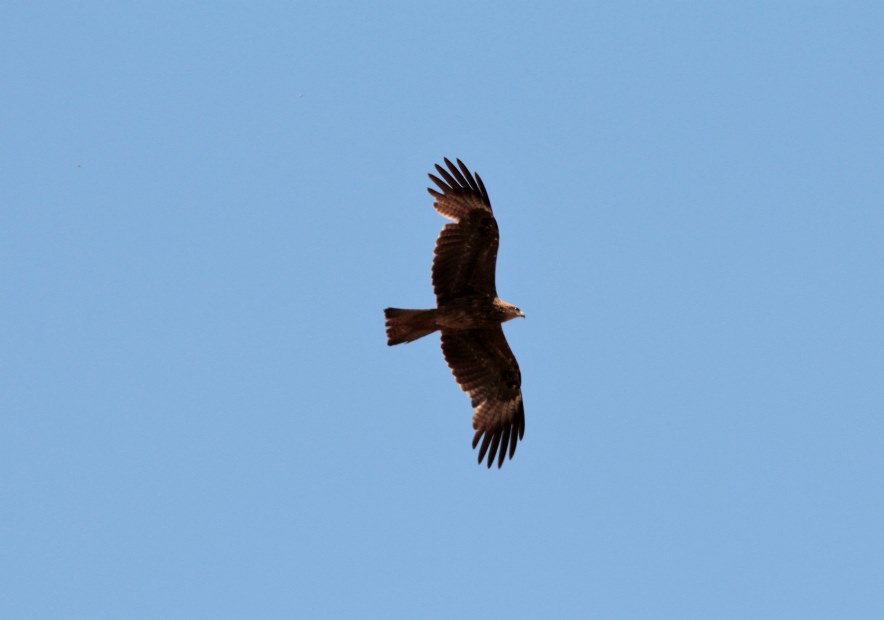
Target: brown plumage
469,313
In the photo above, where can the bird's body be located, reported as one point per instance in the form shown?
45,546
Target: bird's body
469,313
464,313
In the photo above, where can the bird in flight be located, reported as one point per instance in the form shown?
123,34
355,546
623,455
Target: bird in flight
469,313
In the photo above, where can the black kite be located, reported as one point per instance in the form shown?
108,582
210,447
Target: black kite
469,313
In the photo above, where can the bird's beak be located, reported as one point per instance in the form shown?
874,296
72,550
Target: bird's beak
522,314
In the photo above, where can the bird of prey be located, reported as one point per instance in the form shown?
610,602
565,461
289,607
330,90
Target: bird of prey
469,313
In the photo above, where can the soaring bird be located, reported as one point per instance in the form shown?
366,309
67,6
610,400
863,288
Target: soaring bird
469,313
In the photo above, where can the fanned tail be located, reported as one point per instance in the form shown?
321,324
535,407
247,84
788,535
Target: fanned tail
408,325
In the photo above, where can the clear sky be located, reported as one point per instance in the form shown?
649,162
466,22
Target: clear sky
204,208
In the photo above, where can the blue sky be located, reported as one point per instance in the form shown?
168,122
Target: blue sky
205,208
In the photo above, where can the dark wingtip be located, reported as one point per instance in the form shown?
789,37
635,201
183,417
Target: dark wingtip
496,446
438,182
504,441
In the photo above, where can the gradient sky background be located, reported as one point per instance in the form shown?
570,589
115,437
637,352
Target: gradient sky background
204,209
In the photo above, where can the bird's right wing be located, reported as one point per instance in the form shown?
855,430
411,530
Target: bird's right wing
465,258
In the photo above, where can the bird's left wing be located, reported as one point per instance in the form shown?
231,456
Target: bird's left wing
485,368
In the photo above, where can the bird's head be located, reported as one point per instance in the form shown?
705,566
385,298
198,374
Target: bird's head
508,310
